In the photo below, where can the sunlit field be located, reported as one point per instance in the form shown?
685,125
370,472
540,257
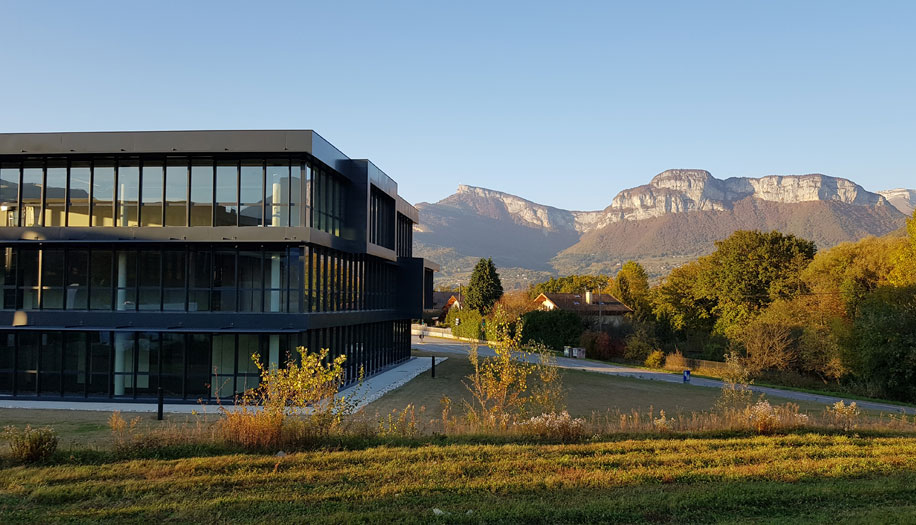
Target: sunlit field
788,479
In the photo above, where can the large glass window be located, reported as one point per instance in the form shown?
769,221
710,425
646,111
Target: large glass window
198,365
103,193
249,264
124,363
32,184
295,194
224,281
227,194
49,364
223,363
172,348
101,266
276,269
100,349
248,376
202,192
27,363
251,193
126,284
75,360
7,360
278,193
29,285
151,194
174,268
56,193
328,197
77,280
147,363
8,277
128,192
199,272
78,200
9,194
150,279
197,278
176,192
52,279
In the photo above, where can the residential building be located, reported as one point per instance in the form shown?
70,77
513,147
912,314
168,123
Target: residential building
598,309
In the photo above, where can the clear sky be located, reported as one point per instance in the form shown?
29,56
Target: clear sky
564,103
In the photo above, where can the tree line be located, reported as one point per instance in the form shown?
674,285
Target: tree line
842,318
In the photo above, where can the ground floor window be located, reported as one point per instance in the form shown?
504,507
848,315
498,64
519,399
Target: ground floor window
189,366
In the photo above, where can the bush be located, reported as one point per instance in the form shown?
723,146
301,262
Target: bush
640,343
600,345
766,419
560,427
844,416
465,323
656,359
554,328
31,444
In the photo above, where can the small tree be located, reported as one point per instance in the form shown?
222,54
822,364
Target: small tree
485,288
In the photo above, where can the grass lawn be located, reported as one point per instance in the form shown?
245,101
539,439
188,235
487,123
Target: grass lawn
82,428
787,479
587,392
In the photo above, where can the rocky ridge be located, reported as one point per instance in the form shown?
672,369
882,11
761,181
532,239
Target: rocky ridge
902,199
672,191
679,213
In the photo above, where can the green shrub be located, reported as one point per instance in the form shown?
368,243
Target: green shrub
554,328
640,343
656,359
31,444
465,323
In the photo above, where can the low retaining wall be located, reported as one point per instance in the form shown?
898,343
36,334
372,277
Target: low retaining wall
444,333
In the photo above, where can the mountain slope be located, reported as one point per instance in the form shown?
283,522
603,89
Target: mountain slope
679,214
903,200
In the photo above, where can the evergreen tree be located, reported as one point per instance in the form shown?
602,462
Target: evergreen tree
485,287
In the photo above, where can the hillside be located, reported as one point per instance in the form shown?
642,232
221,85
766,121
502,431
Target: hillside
677,216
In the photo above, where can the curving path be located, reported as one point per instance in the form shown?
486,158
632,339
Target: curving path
432,344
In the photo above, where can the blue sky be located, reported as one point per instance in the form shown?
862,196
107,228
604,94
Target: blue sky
564,103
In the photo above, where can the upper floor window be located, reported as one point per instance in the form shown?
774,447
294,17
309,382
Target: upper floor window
381,219
164,191
328,194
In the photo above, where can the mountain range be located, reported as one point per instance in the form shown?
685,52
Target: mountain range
677,216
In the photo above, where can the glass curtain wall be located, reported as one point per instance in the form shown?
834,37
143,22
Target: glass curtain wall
170,191
120,364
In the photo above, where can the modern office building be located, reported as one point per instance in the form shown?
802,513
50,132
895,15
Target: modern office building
131,261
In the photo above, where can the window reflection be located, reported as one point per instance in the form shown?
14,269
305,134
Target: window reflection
251,193
202,192
151,194
128,192
278,193
227,194
80,175
176,192
56,193
9,194
32,183
103,193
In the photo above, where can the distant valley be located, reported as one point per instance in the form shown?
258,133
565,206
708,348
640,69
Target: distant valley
676,217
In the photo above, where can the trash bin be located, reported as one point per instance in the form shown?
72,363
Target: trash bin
686,376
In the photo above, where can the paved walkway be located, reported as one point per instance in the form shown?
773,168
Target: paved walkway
372,388
432,344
